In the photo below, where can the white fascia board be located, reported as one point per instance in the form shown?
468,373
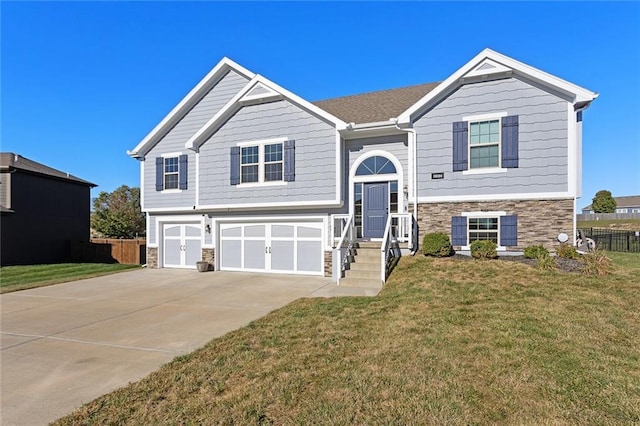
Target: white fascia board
498,197
185,105
580,95
236,103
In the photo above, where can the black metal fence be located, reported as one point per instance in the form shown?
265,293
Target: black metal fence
614,240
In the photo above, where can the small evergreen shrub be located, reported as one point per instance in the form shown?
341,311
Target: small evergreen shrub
546,262
535,252
484,249
437,244
567,251
596,262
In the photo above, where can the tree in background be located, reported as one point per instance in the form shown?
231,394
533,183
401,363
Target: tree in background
603,202
117,214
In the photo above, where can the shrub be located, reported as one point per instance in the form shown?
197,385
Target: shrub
437,244
566,251
535,252
546,262
596,262
484,249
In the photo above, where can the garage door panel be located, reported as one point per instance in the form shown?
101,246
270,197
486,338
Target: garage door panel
192,231
309,256
309,232
282,255
254,254
282,231
254,231
172,252
193,252
231,254
172,231
283,247
235,231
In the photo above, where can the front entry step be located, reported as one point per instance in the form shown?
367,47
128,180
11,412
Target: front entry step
364,271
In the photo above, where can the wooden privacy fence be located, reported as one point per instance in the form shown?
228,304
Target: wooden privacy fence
130,252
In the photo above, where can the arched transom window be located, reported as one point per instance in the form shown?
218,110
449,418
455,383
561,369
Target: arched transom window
376,165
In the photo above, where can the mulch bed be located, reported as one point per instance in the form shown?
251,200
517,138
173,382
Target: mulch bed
564,265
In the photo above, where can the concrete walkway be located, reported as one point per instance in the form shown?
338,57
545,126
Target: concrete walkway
64,345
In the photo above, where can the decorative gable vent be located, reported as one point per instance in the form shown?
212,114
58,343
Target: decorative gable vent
488,67
259,94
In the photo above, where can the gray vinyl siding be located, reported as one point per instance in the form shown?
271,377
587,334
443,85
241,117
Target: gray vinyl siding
175,139
315,156
543,142
395,145
5,186
151,230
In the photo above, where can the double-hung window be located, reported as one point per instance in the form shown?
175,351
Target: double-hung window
484,144
261,163
250,164
171,173
273,162
270,162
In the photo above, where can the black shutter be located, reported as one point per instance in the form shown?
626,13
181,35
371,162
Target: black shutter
289,161
510,142
159,173
459,230
235,165
460,146
183,168
509,231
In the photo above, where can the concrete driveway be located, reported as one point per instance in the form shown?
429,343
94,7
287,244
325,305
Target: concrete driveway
64,345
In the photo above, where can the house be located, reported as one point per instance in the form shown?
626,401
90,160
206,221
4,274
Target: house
249,176
41,211
626,204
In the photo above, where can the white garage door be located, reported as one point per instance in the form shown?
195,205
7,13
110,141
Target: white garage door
272,247
181,245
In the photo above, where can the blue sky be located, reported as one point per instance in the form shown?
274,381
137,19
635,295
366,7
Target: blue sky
82,82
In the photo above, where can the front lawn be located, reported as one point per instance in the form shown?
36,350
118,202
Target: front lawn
13,278
447,341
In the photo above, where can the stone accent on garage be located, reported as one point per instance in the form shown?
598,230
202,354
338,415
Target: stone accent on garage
152,257
209,255
328,263
539,221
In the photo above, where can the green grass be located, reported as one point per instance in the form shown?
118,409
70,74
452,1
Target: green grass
447,341
14,278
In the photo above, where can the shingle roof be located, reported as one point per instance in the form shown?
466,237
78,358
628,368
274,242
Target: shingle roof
626,201
375,106
15,161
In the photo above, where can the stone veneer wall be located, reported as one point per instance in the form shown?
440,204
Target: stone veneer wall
539,221
152,257
328,263
209,255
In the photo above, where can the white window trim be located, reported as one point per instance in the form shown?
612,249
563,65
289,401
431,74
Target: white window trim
261,163
479,119
491,214
171,155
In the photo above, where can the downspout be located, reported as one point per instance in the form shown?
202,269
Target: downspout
412,134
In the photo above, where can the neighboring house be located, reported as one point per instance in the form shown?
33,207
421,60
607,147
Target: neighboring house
627,204
251,177
42,211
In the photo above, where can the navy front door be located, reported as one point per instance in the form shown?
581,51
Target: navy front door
375,209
